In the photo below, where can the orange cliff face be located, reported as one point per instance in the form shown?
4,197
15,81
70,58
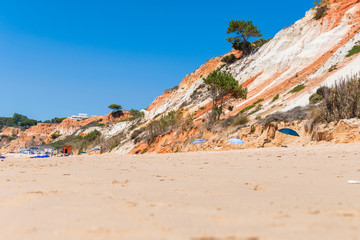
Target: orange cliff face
41,133
309,52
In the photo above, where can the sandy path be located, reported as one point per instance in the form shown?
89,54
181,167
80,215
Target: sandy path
295,193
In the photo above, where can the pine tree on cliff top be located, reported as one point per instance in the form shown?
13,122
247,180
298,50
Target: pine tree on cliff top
243,32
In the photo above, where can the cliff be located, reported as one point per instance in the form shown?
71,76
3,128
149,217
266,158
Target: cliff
311,53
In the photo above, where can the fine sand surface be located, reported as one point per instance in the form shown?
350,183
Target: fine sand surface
277,193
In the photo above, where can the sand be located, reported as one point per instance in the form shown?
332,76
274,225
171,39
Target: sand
275,193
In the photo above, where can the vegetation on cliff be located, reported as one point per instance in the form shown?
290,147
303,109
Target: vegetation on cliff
321,7
353,51
342,101
222,84
18,120
242,31
115,107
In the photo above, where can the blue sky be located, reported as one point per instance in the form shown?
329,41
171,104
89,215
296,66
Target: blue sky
59,58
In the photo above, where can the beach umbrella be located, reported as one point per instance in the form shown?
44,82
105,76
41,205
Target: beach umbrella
96,149
199,141
235,140
289,131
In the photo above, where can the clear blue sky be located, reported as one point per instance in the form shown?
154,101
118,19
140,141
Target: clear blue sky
59,58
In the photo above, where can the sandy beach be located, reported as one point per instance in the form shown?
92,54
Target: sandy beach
274,193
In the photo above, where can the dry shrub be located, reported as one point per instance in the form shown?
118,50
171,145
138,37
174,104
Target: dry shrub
298,113
342,101
167,122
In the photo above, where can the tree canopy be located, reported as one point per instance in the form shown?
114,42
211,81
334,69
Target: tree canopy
17,120
242,32
115,107
221,84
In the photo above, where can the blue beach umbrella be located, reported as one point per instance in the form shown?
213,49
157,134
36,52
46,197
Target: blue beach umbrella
199,141
289,131
235,140
2,157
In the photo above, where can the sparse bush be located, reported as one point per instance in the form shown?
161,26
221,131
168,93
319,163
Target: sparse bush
353,51
240,120
342,101
229,59
166,123
259,101
332,68
321,7
135,134
101,125
78,138
258,108
55,135
298,113
298,88
230,108
188,123
252,130
315,98
275,98
251,106
319,95
322,91
247,108
261,42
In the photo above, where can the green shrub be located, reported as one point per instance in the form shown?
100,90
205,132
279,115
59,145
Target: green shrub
247,108
315,98
252,129
101,125
92,135
78,138
321,8
275,98
229,59
332,68
59,120
135,134
258,101
353,51
55,135
136,114
144,151
261,42
230,108
258,108
298,88
322,91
